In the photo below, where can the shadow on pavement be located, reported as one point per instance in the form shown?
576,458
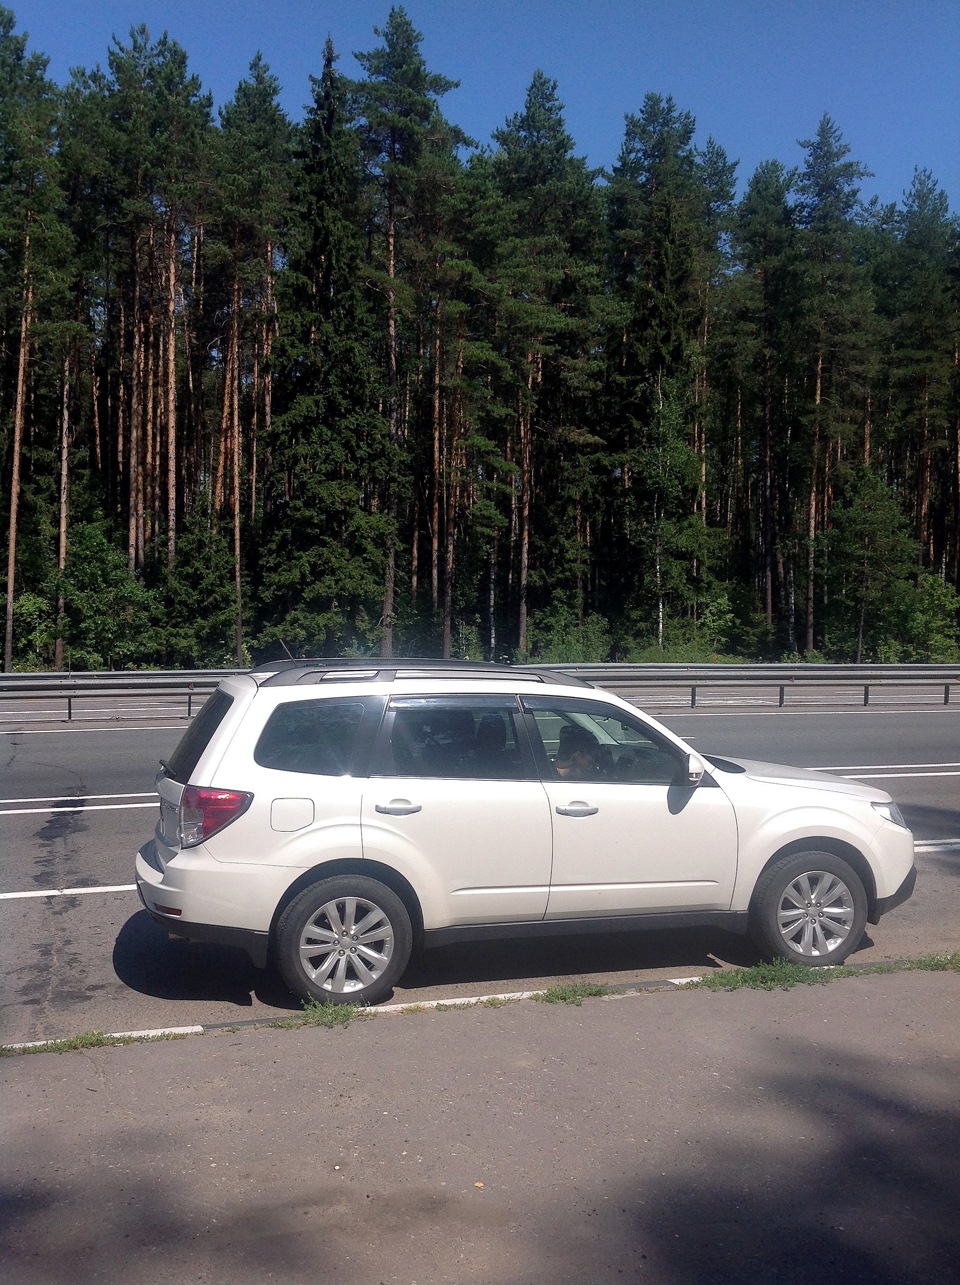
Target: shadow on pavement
150,962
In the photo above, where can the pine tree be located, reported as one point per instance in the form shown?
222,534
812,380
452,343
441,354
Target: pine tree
323,533
404,137
253,164
833,326
549,323
34,282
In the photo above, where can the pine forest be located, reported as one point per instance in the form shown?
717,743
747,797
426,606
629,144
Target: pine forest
360,384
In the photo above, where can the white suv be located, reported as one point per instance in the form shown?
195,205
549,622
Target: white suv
338,815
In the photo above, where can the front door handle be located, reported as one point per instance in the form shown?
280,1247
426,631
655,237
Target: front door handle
398,808
578,809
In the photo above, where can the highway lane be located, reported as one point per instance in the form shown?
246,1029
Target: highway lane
77,953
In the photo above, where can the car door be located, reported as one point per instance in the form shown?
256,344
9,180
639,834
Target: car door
629,835
455,804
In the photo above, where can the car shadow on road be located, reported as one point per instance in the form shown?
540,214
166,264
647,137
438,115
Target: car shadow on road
605,956
150,962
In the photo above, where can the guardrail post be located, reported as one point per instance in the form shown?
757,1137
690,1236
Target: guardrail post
866,694
946,693
189,704
782,696
693,698
69,709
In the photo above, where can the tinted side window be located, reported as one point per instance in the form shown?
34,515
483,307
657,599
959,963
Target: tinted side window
469,737
582,740
316,736
181,763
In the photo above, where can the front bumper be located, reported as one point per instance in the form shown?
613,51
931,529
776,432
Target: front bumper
903,893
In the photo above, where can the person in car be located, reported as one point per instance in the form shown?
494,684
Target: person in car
577,756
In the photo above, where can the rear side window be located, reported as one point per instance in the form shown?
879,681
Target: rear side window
448,737
315,736
180,766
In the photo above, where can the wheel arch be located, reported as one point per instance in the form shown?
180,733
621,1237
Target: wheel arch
837,848
354,866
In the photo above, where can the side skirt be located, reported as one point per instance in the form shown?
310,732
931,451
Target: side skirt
735,921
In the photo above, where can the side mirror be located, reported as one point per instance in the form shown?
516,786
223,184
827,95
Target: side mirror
695,769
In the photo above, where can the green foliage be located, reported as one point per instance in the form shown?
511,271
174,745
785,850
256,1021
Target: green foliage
871,567
932,632
111,619
559,634
355,384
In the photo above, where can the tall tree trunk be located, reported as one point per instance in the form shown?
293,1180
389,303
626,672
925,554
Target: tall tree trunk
525,435
456,463
812,504
437,480
19,415
390,570
134,460
170,402
64,506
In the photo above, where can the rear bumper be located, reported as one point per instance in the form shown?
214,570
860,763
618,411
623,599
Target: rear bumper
180,902
255,944
903,893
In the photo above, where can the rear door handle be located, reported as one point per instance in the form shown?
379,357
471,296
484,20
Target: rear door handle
398,808
578,809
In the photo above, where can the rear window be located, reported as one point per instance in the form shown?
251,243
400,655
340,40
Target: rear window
315,736
197,737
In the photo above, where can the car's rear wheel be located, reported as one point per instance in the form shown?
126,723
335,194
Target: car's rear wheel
344,940
809,908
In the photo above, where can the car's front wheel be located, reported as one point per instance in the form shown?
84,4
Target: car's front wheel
809,908
344,940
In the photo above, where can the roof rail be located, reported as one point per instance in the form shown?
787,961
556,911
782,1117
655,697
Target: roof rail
286,673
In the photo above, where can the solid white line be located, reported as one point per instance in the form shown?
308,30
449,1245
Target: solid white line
936,845
881,767
67,798
886,776
59,731
67,892
99,807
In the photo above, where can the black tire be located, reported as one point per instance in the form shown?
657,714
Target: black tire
344,940
809,908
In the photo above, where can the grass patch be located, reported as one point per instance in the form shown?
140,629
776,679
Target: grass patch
317,1014
571,993
781,975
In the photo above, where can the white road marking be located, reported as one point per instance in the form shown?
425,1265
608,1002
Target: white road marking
881,767
99,807
67,892
886,776
60,731
69,798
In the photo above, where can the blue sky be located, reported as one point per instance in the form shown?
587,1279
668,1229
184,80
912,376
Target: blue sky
756,74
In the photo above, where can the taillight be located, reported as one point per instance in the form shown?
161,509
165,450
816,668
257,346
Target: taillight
204,812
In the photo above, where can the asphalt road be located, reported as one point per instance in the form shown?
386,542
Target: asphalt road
78,954
682,1138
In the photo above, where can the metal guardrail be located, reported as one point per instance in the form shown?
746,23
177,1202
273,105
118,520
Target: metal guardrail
782,677
189,684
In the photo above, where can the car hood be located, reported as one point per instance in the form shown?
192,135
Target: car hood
781,774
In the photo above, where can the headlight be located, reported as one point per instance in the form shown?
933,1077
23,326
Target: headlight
891,812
